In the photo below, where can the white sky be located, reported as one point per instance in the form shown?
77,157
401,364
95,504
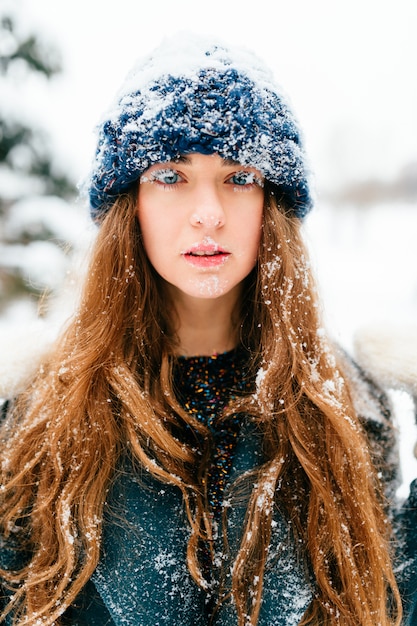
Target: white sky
348,67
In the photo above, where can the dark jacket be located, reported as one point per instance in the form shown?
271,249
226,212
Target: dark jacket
142,578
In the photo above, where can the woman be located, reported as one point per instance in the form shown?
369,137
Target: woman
194,451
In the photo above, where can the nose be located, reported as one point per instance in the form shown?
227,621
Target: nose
208,209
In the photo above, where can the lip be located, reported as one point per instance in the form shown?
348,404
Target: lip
206,254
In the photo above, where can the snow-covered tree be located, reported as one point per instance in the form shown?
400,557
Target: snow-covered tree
24,149
34,189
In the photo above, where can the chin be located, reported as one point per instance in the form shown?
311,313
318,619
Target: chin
209,287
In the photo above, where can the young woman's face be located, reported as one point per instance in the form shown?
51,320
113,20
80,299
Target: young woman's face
201,219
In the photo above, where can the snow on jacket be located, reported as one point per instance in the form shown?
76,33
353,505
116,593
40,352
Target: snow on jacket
142,578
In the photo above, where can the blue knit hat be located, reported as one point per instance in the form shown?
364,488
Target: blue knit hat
190,96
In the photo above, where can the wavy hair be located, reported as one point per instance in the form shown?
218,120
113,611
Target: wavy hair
107,386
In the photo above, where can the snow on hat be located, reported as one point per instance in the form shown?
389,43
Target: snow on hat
192,95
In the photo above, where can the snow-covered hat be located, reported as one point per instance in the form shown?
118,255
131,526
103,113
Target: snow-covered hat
193,95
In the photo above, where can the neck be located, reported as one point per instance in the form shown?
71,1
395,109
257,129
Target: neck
206,326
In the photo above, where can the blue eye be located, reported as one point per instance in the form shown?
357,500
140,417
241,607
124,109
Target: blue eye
240,179
166,176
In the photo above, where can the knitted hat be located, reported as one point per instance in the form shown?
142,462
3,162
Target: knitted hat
190,96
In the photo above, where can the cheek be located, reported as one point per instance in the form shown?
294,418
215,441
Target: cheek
158,237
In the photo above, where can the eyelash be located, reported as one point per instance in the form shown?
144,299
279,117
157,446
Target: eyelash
253,180
157,175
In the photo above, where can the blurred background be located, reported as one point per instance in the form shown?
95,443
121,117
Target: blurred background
349,69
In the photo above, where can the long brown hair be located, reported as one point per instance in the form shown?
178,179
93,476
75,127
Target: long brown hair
108,386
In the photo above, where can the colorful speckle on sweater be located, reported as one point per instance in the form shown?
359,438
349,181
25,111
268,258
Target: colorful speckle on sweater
205,385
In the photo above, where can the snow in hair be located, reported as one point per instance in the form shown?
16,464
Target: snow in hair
193,95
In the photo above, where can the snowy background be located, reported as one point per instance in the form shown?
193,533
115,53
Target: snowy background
349,69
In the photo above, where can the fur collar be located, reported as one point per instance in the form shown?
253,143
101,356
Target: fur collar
389,353
22,351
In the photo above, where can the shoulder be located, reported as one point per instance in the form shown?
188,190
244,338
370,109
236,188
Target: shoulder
374,408
370,399
389,354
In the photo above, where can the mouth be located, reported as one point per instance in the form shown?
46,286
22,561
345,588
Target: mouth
206,254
